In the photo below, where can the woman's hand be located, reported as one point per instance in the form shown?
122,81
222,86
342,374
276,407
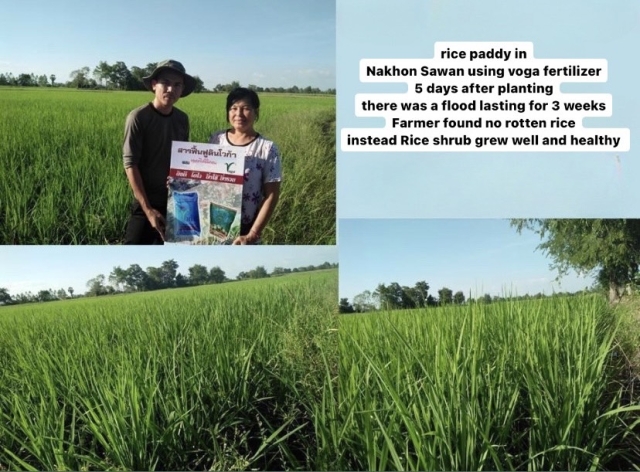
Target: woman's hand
250,238
272,194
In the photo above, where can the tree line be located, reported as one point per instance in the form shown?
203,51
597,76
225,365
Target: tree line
118,76
136,279
402,297
607,248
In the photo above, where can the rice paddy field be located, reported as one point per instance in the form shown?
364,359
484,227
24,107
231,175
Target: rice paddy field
235,376
64,183
262,375
535,385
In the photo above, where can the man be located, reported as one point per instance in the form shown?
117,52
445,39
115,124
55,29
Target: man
148,133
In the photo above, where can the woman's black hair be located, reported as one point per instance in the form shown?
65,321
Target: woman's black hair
242,93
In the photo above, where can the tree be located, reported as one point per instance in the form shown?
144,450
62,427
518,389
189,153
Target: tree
381,294
70,290
408,297
136,278
42,81
610,248
10,79
137,74
168,275
119,75
458,297
421,293
118,278
181,281
97,74
25,80
198,275
345,306
27,297
154,278
96,286
445,296
45,296
79,77
5,298
101,72
216,275
258,273
52,77
364,302
389,297
199,85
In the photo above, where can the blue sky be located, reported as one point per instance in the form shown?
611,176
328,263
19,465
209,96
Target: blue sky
34,268
266,43
490,185
477,255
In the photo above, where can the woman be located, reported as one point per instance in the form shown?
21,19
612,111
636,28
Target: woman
262,174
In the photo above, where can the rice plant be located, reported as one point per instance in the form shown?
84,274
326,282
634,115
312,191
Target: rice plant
61,155
227,377
509,386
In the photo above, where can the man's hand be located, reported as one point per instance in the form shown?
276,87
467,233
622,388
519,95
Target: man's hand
155,218
157,221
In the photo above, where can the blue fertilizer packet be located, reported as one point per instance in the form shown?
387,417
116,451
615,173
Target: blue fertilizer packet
220,220
187,216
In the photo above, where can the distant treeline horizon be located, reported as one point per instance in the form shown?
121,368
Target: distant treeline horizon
118,76
136,279
401,297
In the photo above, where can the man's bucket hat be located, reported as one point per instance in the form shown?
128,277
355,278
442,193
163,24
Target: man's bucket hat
174,66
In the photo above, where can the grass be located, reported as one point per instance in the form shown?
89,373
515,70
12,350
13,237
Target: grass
628,312
230,377
63,151
510,386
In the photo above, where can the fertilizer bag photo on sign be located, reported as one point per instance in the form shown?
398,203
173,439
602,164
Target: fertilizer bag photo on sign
205,193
